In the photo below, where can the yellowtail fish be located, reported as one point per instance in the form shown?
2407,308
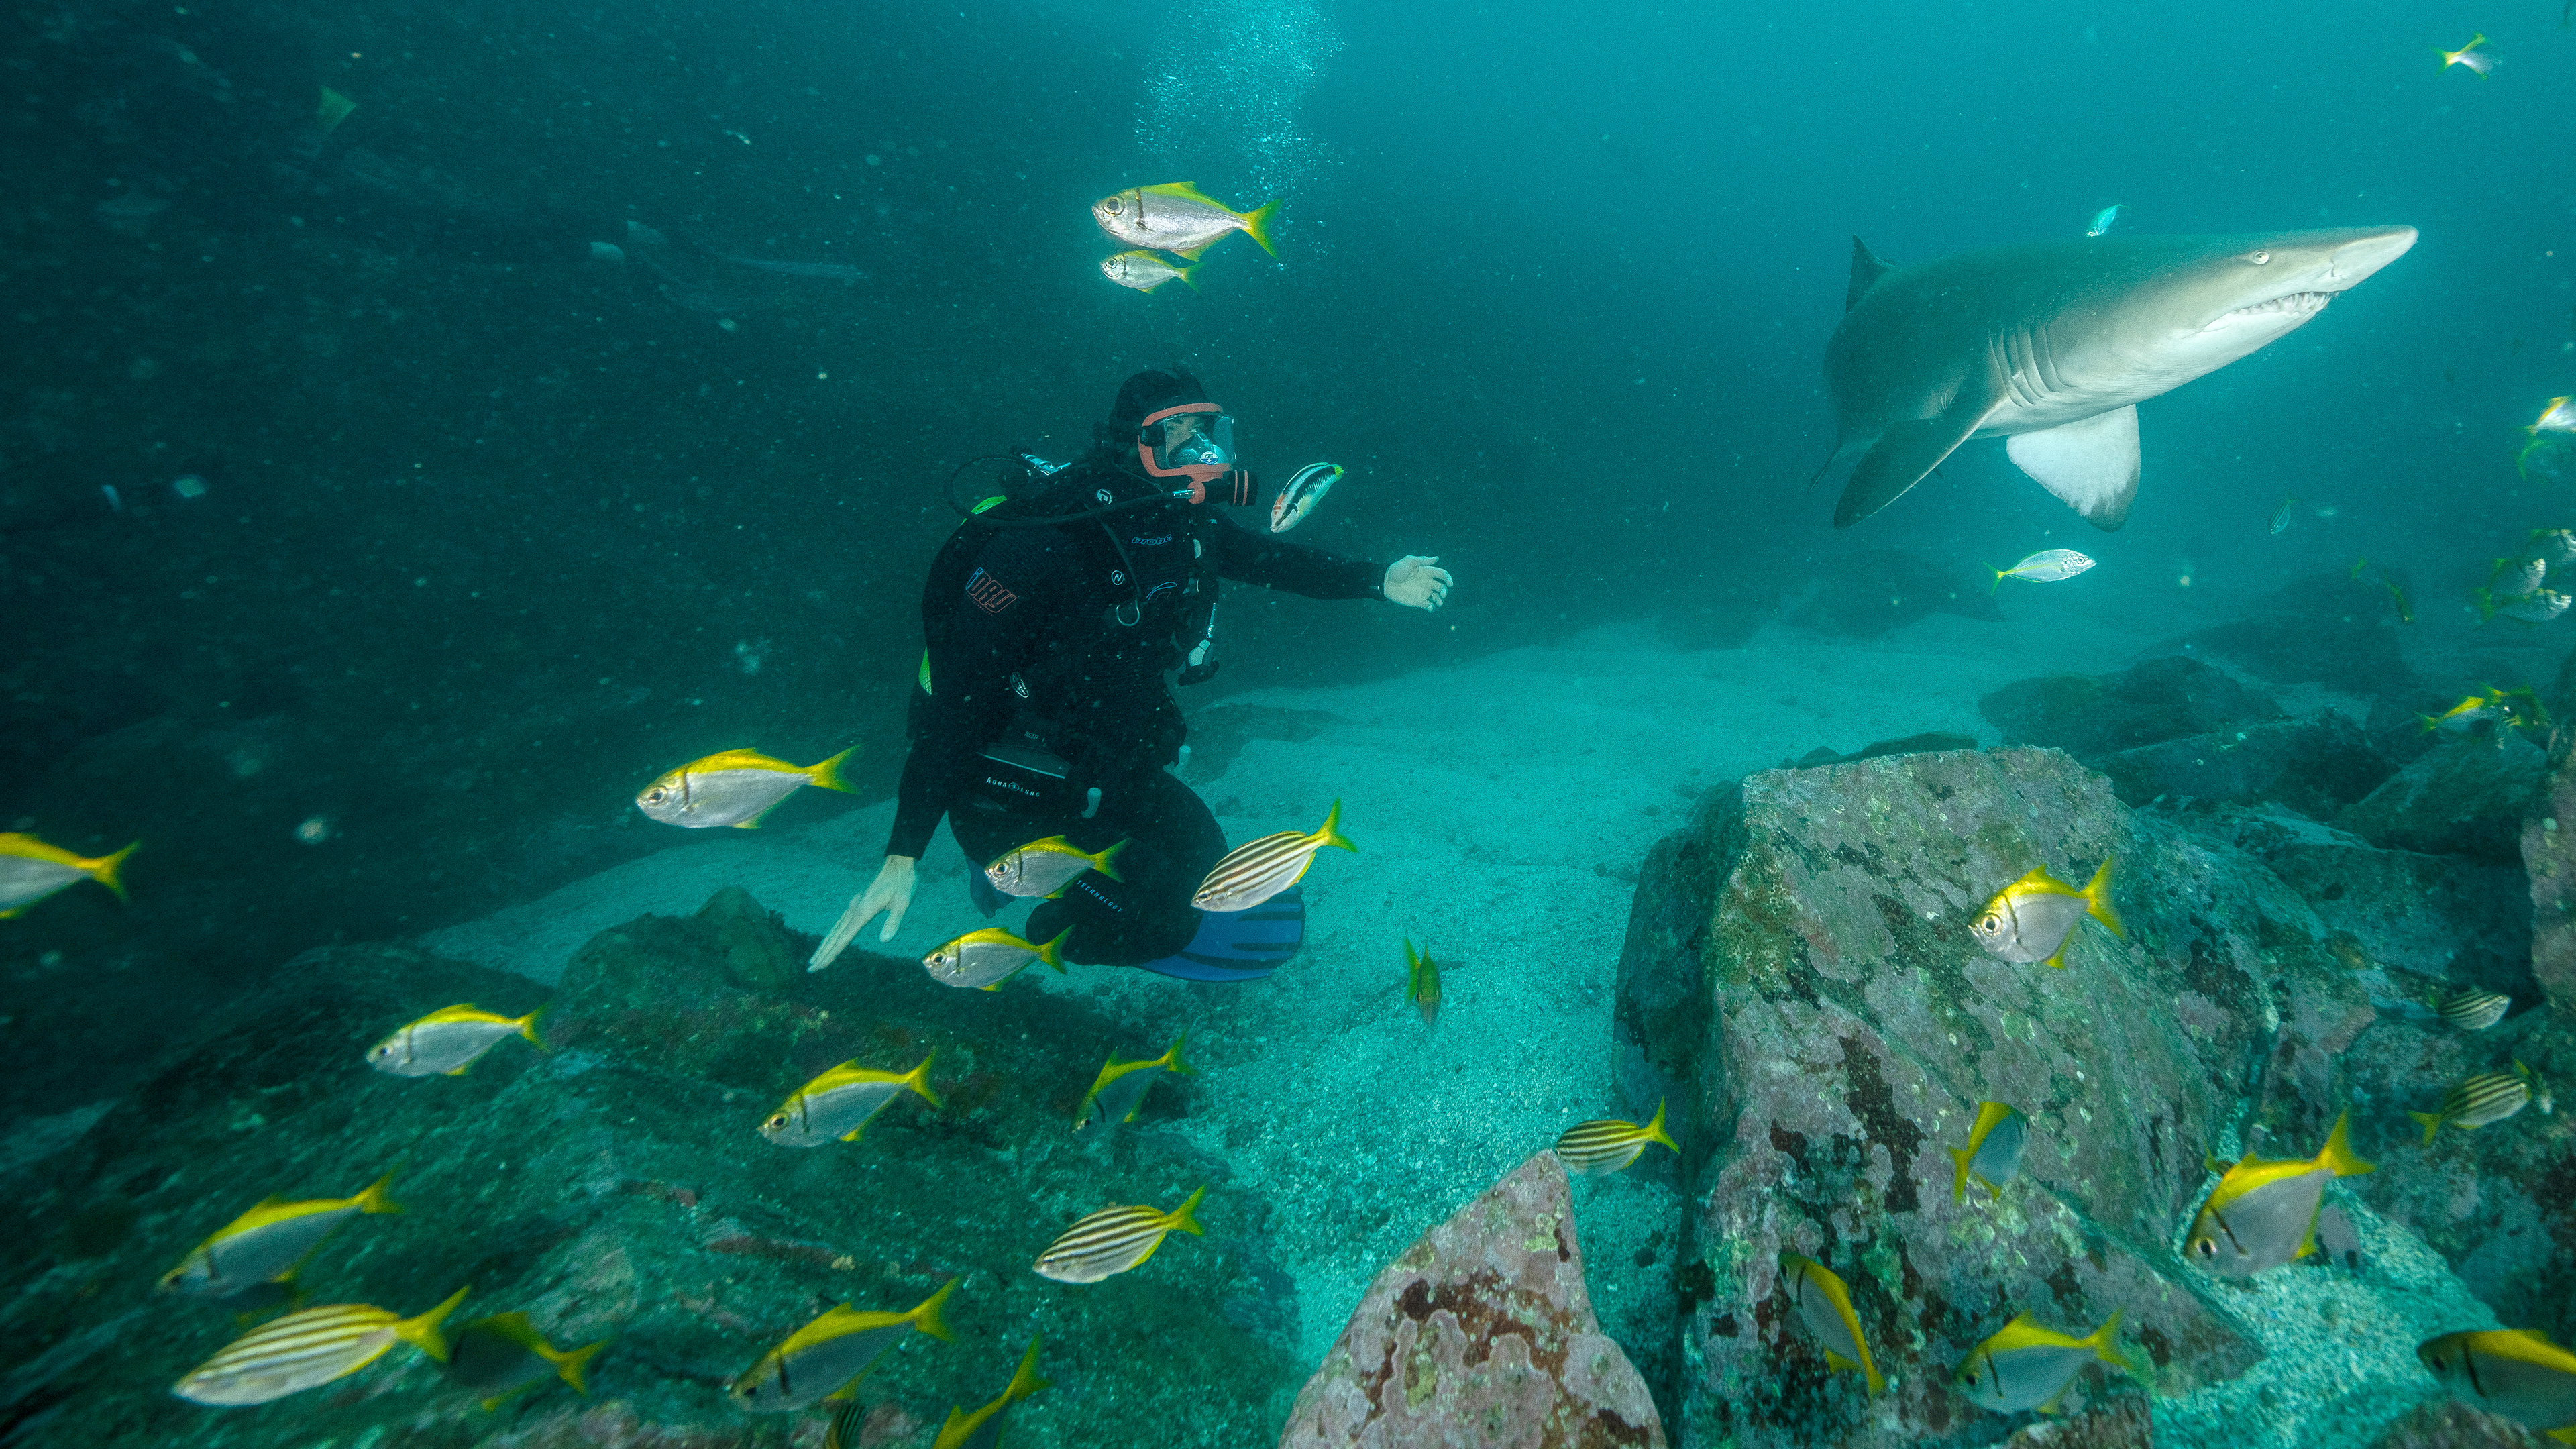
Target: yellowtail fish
31,870
734,788
2475,59
1144,271
268,1243
2101,222
334,109
2515,576
1824,1305
2025,1366
2281,515
2033,918
1993,1153
985,959
2514,1373
848,1422
450,1039
1113,1240
2553,546
2560,415
1606,1145
2537,608
1305,490
982,1429
1422,983
2048,566
1118,1093
2471,1010
500,1355
2397,596
308,1349
2459,717
1046,867
1251,874
831,1353
2263,1213
2485,1098
836,1106
1178,218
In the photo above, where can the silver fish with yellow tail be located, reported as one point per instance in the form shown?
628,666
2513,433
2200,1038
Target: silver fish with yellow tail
1993,1153
309,1349
2263,1213
2033,918
830,1353
1824,1305
2025,1366
2514,1373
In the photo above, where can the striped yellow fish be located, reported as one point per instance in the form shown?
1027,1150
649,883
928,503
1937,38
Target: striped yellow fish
1113,1240
1606,1145
308,1349
2487,1097
1254,873
1118,1093
982,1429
1824,1305
817,1360
268,1243
2471,1010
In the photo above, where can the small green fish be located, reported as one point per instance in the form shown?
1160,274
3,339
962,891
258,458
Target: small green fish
1113,1240
2033,918
450,1039
982,1429
2048,566
1176,217
2514,1373
1993,1153
985,959
1118,1093
2397,596
2263,1213
1143,271
831,1353
1251,874
309,1349
1824,1305
2486,1098
31,870
269,1242
1046,867
2471,1010
734,788
2025,1366
1422,983
503,1354
836,1106
1606,1144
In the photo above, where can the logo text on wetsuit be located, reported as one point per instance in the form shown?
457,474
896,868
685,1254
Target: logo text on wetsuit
988,593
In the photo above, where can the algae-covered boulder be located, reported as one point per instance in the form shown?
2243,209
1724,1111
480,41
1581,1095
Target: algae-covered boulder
616,1187
1480,1336
1801,967
2317,765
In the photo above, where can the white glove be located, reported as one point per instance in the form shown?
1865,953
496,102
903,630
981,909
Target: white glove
1414,583
890,892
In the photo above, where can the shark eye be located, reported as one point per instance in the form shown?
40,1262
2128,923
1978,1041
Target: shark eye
2259,258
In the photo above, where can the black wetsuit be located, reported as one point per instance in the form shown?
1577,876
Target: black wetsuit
1058,650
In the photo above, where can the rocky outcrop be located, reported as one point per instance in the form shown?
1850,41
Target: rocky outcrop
2160,699
2549,857
618,1185
1799,967
1480,1336
2466,797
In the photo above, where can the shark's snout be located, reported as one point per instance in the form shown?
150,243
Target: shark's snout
2355,260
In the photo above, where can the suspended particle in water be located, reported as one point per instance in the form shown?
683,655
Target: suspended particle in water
314,830
188,485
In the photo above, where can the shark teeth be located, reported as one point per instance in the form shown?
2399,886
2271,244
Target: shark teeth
2297,304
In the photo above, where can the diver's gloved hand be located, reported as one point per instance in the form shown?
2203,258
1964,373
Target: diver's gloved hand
1414,583
890,892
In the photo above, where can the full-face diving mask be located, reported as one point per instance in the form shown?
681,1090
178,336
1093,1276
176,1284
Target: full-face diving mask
1193,441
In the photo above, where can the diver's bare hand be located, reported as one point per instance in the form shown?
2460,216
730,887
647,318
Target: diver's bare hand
1413,582
890,892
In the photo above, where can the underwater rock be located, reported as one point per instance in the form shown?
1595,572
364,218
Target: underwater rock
2328,628
1922,744
1866,594
2089,716
2547,857
2450,1424
2120,1424
1851,1026
2316,765
1480,1334
2465,797
618,1185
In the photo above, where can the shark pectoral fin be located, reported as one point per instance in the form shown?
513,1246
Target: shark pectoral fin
1907,451
2092,464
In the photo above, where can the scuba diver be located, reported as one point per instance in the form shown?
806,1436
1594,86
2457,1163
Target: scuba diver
1041,707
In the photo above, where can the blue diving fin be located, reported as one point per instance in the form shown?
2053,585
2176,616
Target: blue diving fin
988,897
1241,945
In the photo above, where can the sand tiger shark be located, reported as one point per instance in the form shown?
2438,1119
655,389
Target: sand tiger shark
2052,345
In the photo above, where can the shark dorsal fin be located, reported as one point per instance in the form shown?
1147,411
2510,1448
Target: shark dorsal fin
1866,270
